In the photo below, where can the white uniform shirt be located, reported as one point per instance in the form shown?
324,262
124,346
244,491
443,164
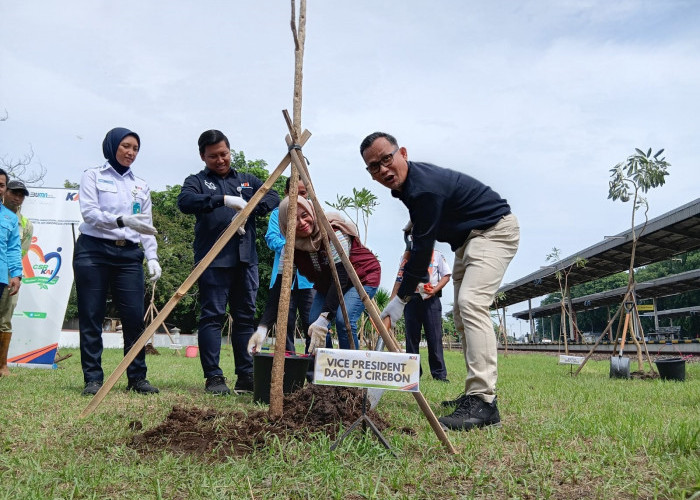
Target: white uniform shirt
438,269
106,195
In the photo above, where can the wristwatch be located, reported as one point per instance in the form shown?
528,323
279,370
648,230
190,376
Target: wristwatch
120,222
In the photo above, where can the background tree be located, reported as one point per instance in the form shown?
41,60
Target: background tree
366,333
176,256
362,202
562,275
23,167
266,257
640,173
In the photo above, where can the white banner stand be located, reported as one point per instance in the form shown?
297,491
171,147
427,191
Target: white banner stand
47,277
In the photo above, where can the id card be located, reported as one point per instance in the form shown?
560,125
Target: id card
135,207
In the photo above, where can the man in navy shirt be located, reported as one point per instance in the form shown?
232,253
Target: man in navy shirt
215,195
452,207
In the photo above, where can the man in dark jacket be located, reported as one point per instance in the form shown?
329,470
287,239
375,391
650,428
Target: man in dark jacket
452,207
215,195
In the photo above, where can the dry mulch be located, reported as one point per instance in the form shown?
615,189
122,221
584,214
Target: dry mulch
216,434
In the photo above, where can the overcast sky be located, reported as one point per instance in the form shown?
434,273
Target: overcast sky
536,99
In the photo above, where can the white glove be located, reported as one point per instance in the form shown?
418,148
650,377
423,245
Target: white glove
154,270
235,202
317,332
141,223
257,340
241,230
394,310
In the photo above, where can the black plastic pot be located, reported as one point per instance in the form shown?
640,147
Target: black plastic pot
671,368
294,375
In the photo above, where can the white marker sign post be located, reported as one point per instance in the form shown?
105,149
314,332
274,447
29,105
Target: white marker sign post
570,360
367,369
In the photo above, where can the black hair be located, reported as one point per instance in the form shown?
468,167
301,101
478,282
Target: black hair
7,177
287,184
211,137
369,140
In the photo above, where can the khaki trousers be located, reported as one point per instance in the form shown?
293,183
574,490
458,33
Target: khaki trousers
7,307
477,273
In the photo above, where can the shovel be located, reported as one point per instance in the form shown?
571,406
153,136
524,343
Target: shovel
619,366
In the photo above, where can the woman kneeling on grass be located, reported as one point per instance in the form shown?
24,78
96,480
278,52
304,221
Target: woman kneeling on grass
312,262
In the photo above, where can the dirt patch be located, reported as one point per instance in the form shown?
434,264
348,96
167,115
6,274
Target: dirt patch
216,435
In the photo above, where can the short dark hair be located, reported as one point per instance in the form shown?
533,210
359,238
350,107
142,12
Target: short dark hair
7,177
367,142
211,137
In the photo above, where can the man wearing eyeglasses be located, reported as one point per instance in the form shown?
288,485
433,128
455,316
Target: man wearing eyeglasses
449,206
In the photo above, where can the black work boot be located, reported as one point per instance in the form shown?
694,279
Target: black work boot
216,385
244,384
142,386
92,387
472,412
454,402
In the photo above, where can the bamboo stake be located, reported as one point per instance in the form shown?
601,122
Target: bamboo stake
390,342
228,233
277,376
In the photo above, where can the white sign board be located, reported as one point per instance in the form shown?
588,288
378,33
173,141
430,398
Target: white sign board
47,275
381,370
570,360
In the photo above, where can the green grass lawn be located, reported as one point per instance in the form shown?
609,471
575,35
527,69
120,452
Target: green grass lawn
562,437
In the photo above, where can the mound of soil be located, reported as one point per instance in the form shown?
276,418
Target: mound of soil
216,435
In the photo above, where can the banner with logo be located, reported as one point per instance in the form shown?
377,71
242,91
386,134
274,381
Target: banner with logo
47,276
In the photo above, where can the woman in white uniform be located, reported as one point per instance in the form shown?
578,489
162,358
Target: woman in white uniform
116,210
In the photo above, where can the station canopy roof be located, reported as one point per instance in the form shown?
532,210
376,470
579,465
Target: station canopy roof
660,287
670,234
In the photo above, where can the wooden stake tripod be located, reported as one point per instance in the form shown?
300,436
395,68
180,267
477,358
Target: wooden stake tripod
633,315
390,342
150,316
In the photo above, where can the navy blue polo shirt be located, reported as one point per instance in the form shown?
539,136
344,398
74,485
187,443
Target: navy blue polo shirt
203,193
444,205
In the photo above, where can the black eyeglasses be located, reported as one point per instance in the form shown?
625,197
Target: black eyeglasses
384,161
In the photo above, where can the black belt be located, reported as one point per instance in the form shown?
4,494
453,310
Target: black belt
119,243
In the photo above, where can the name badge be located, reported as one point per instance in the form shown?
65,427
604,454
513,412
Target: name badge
135,207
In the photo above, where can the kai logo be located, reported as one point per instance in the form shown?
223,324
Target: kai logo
72,196
41,268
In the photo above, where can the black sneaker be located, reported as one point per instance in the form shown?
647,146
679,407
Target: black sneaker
454,402
91,388
445,380
472,412
244,383
216,385
142,386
